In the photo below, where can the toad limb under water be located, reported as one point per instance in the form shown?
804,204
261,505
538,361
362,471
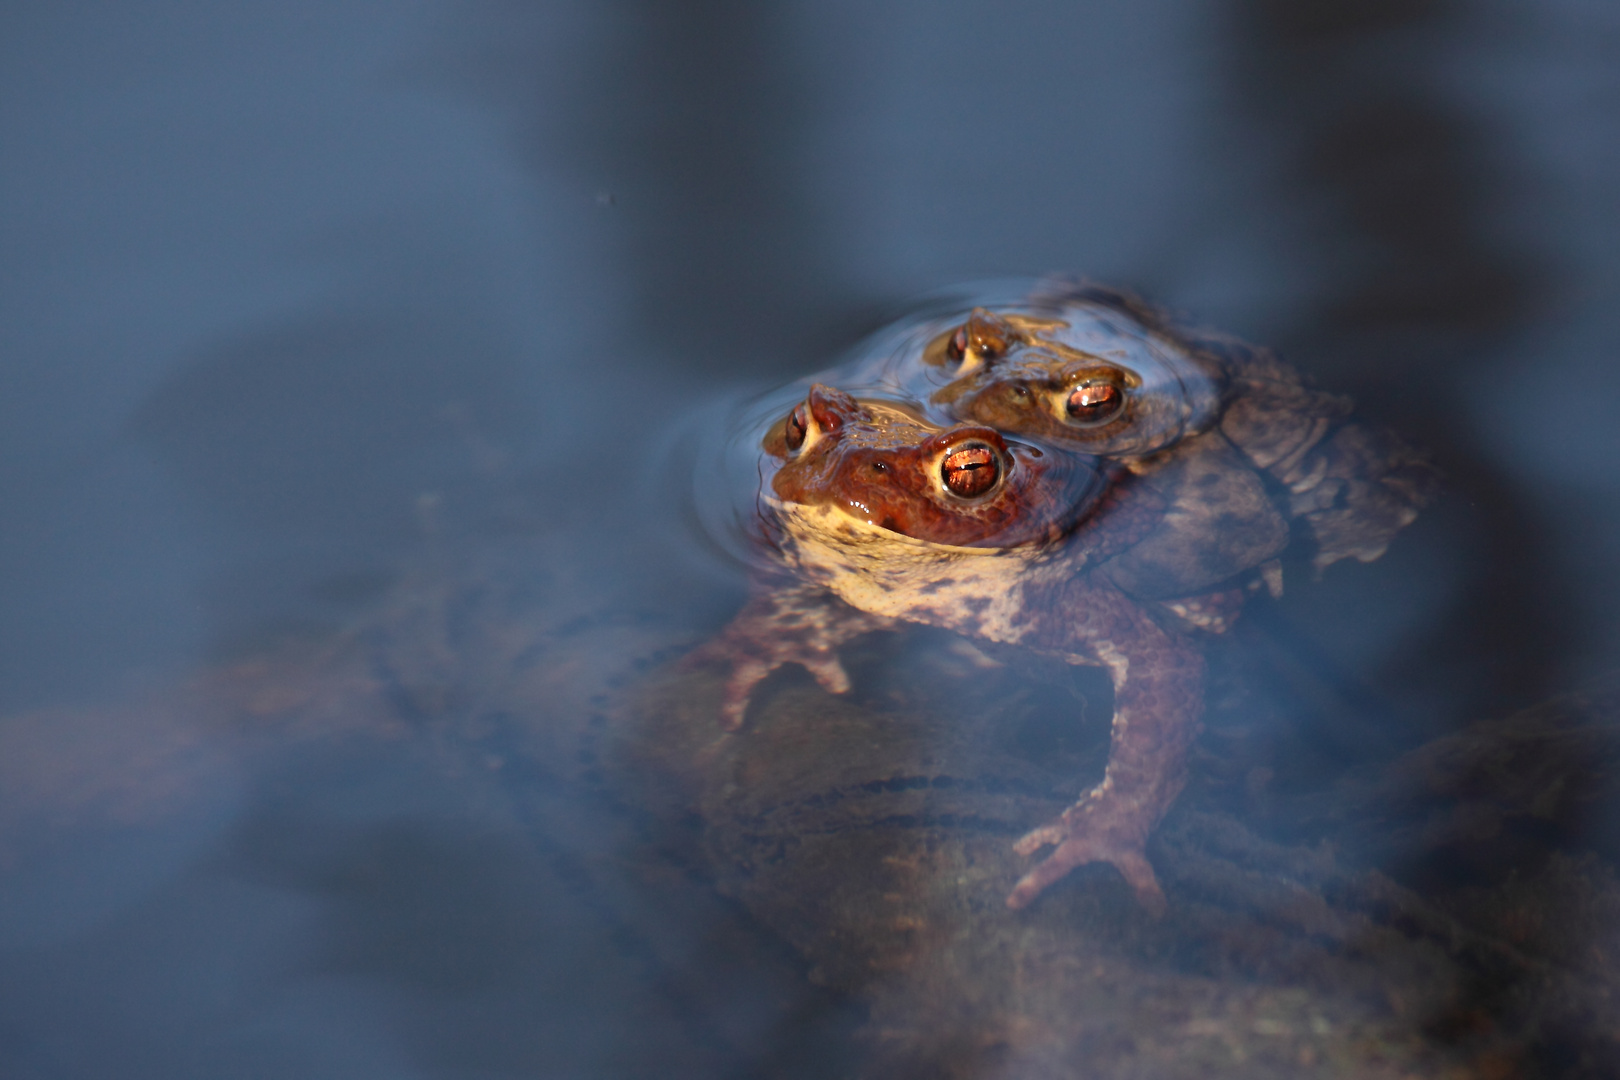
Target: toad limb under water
1082,479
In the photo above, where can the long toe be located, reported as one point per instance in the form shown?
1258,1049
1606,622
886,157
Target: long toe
739,689
829,673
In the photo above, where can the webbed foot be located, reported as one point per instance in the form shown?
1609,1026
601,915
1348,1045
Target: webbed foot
752,659
1100,828
801,625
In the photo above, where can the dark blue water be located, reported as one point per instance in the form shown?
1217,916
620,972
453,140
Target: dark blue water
307,305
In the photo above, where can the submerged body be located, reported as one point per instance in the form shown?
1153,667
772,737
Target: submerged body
1075,480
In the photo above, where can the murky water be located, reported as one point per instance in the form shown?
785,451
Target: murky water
360,362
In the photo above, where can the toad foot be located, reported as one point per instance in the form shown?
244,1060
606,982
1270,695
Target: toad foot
1095,830
801,625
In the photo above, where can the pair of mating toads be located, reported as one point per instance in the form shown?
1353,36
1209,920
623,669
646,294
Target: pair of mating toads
1069,470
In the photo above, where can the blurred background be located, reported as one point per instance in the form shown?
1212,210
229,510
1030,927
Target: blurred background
282,282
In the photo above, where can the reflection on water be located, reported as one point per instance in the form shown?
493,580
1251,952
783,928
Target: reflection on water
348,547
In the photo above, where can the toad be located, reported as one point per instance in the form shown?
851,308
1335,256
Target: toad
1095,369
1075,475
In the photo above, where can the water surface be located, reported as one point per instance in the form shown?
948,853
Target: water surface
353,353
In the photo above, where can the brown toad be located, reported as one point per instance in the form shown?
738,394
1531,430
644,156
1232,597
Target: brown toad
1093,369
1071,474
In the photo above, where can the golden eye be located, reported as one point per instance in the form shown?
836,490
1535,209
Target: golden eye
1094,402
970,471
798,422
983,336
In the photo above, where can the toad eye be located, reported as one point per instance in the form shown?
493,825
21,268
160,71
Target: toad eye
798,422
1094,402
970,471
982,337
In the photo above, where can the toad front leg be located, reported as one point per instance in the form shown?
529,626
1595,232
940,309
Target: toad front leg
1158,679
784,623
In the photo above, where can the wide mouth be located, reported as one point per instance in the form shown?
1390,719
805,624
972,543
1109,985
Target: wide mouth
838,525
969,488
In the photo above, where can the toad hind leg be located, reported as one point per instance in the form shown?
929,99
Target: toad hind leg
1158,682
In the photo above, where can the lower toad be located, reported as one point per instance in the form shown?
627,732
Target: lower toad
881,518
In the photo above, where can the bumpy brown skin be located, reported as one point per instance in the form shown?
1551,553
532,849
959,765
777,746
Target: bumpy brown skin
1207,447
1353,486
1158,676
785,622
882,467
1060,609
1014,370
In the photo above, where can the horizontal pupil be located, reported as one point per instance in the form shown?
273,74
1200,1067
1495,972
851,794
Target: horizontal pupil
971,471
1096,401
